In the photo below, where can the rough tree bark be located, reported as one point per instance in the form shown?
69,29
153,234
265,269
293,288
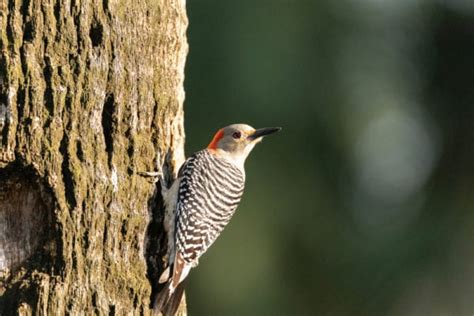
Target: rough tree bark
91,93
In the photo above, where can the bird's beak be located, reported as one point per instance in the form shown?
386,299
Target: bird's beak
261,132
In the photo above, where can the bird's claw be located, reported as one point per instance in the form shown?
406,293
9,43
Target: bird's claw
155,174
150,174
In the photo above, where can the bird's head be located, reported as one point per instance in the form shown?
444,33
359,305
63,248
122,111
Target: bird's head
236,141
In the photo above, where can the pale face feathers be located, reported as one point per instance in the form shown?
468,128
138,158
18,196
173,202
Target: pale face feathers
236,141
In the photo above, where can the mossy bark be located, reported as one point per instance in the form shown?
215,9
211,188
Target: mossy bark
91,93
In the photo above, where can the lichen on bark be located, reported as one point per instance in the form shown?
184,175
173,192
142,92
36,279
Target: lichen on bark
91,92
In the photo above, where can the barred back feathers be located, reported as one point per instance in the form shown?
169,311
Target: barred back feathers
209,192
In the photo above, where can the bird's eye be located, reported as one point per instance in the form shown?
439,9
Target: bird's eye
236,135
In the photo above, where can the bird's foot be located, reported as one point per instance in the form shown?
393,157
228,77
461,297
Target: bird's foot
154,175
150,174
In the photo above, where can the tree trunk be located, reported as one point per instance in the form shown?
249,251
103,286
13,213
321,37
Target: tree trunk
91,93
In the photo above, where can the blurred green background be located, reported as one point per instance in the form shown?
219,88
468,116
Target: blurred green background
364,203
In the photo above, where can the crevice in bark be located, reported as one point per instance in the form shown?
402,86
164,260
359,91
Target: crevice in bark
108,126
85,241
57,13
66,173
4,113
105,7
96,34
24,8
80,153
111,310
154,122
68,102
10,35
24,61
77,26
156,242
48,98
94,302
105,234
20,102
28,32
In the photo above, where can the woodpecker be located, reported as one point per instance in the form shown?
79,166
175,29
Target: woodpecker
201,202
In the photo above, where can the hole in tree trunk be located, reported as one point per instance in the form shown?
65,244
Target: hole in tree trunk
26,228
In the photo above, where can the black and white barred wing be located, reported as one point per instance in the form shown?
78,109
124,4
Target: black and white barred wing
209,192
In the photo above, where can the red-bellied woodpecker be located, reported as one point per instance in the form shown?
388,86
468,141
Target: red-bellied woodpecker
201,202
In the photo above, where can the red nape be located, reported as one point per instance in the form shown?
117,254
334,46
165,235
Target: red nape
216,139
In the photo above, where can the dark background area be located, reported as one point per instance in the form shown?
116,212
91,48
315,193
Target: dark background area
364,203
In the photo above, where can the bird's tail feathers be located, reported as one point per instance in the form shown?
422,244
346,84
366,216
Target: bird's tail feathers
161,299
165,276
167,301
